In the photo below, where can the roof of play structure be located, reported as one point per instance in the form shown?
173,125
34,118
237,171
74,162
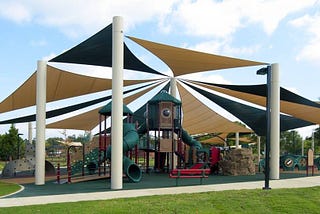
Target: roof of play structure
163,96
106,110
197,117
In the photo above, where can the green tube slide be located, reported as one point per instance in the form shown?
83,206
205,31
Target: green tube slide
189,140
130,139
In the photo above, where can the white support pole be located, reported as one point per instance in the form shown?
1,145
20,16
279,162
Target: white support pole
173,92
173,87
30,132
117,103
302,148
41,122
275,123
312,143
237,140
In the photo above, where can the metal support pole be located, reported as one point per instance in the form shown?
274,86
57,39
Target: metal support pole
268,114
117,103
274,122
259,148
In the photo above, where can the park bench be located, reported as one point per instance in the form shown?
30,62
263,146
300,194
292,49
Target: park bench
189,173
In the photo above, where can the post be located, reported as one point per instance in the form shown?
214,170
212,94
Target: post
237,140
30,132
117,103
173,92
268,134
259,148
41,122
312,143
275,122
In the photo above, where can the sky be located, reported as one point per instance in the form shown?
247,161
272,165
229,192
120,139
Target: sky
273,31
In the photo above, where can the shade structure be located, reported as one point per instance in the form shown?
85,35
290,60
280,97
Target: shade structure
253,117
198,118
216,140
67,109
90,119
97,50
290,103
61,84
184,61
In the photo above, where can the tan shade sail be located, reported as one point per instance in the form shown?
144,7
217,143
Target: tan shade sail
60,85
243,140
198,118
216,140
183,61
89,120
304,112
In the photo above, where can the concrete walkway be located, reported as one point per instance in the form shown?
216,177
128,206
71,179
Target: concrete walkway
274,184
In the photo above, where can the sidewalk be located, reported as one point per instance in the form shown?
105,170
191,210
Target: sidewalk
274,184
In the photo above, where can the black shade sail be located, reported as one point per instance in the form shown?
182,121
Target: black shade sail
97,50
255,118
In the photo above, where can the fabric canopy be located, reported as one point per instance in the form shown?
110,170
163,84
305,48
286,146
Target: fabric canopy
253,117
183,61
90,119
198,118
216,140
290,103
60,85
65,110
97,50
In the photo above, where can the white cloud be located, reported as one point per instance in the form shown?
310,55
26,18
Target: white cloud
212,78
311,25
223,18
15,11
81,17
38,43
202,18
224,47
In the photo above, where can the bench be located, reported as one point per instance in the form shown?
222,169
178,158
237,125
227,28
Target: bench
189,173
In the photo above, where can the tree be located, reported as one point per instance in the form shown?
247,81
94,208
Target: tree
290,142
11,145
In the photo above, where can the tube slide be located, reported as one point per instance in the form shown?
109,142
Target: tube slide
189,140
130,139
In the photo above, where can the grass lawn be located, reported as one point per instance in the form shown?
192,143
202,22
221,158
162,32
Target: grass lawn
301,200
7,188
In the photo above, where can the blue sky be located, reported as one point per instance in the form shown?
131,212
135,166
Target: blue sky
274,31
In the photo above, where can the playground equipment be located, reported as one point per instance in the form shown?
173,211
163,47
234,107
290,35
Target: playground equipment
25,165
162,138
163,123
292,162
130,141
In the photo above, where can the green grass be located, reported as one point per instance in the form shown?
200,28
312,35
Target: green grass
7,188
301,200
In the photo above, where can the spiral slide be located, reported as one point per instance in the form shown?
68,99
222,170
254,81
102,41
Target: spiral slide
189,140
130,139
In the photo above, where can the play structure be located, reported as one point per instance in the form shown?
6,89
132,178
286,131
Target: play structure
293,162
25,165
158,144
